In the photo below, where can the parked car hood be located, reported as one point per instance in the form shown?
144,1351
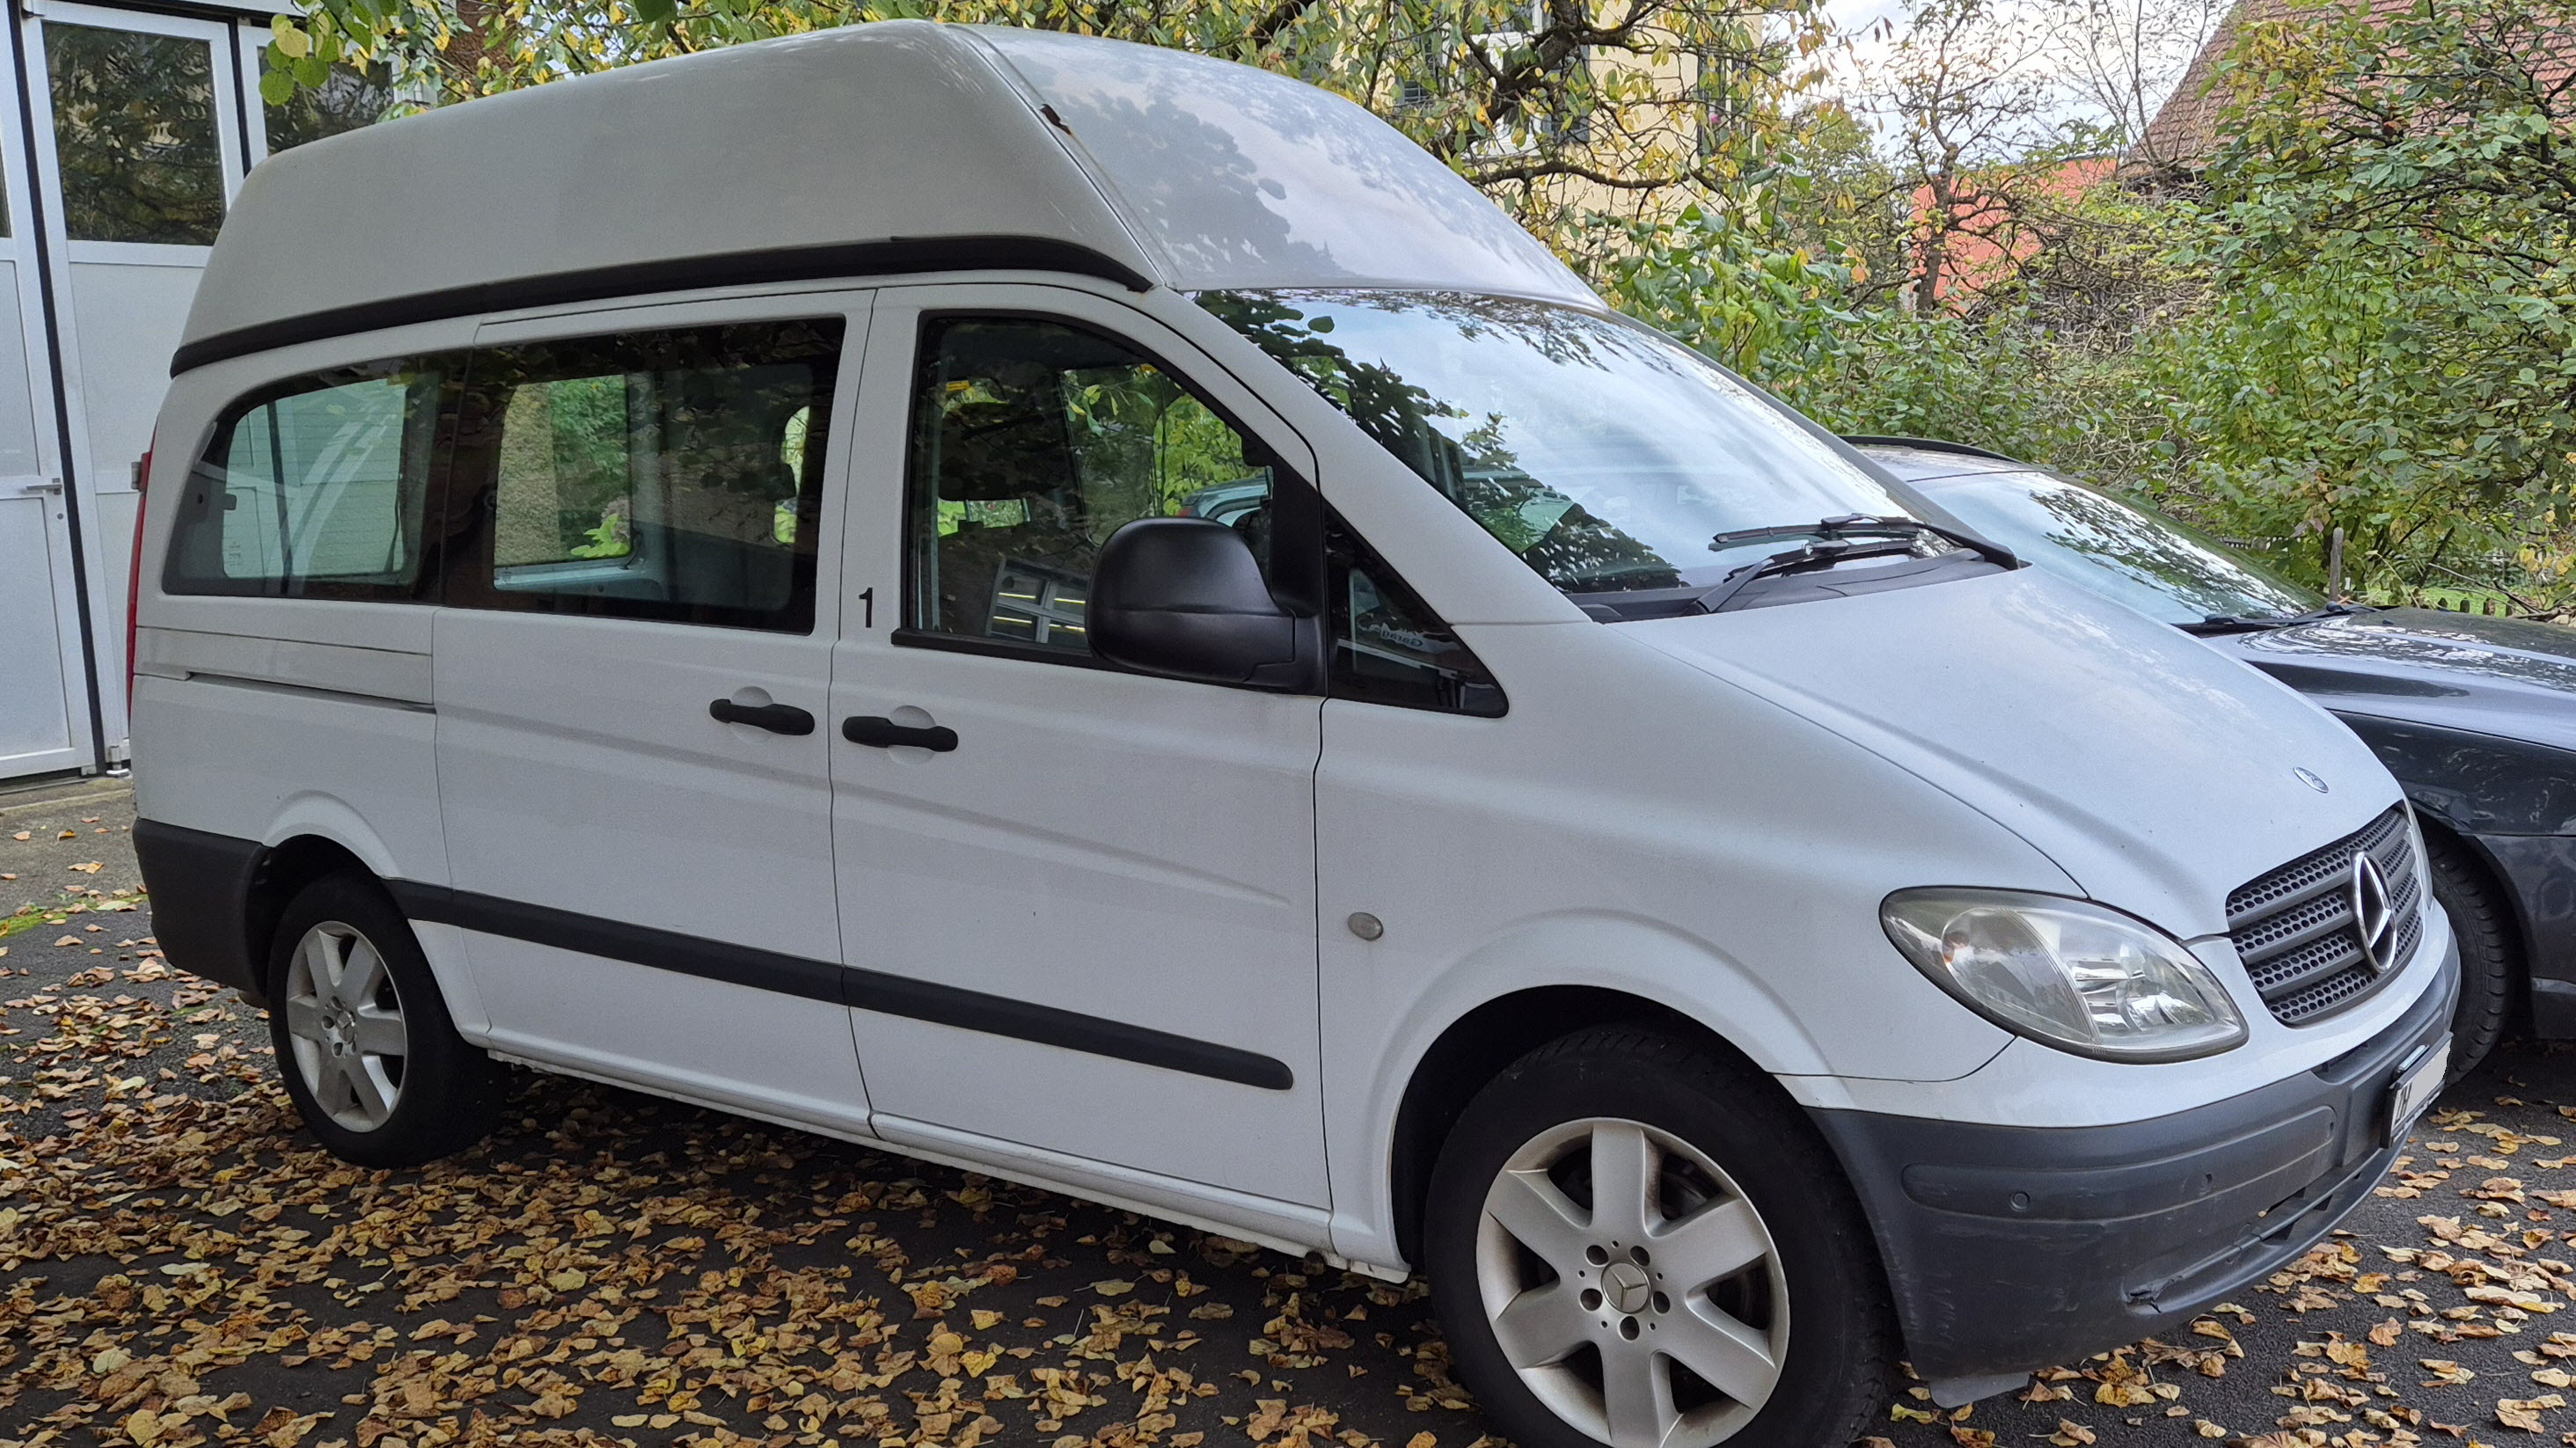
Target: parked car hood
2503,676
2152,770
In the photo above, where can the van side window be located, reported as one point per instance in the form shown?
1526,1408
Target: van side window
666,475
314,488
1032,442
1389,647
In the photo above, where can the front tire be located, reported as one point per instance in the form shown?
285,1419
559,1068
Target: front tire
1636,1242
2490,954
364,1042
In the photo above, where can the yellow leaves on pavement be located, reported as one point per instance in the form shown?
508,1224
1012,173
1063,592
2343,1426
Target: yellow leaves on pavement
2524,1413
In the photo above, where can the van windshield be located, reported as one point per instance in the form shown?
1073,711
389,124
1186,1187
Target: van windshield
1604,454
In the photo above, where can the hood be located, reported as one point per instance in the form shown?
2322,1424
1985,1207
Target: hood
2507,677
2156,773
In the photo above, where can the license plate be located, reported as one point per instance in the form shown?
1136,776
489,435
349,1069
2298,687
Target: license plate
2417,1083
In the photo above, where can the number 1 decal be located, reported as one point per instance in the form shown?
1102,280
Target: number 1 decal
868,597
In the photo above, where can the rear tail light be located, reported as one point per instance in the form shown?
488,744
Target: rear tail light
134,572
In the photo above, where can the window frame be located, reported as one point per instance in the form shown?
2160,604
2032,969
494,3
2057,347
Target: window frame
1298,569
232,147
449,364
467,573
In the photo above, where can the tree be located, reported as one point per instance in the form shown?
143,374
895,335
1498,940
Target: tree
2119,59
2393,349
1970,115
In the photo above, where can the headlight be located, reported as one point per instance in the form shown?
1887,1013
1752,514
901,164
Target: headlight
2065,972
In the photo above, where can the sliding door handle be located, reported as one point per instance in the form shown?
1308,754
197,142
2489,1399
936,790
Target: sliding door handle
881,733
776,718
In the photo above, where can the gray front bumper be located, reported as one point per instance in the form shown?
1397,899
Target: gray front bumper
2012,1248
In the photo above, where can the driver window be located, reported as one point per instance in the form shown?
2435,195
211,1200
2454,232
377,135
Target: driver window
1034,441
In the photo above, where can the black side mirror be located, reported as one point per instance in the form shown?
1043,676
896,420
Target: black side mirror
1184,598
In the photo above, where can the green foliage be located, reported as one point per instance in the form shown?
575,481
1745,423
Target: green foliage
1144,446
1722,280
609,538
2392,345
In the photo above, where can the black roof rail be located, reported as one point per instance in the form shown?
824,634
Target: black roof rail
1931,445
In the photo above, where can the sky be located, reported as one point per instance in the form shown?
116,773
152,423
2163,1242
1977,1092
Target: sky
1870,27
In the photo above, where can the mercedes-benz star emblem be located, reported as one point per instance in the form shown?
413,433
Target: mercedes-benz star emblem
2374,919
1625,1284
2309,778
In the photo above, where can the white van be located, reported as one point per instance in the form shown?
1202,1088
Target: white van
1095,615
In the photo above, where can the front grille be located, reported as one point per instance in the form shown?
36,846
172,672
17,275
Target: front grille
2297,931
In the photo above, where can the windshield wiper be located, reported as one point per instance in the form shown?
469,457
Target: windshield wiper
2227,623
1862,525
1793,560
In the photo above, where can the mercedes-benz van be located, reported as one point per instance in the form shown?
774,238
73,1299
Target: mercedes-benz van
1095,615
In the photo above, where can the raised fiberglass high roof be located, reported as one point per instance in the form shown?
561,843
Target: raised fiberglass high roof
902,145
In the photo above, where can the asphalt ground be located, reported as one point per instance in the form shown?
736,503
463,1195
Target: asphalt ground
179,1264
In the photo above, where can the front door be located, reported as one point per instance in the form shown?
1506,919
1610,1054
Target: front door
632,659
1080,902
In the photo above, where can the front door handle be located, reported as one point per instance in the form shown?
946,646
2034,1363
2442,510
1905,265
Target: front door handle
878,732
776,718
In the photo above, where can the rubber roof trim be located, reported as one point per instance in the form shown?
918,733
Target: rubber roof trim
1929,445
855,260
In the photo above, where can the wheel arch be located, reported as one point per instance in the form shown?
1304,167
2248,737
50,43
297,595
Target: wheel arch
2522,1008
2491,874
283,871
313,835
1478,1045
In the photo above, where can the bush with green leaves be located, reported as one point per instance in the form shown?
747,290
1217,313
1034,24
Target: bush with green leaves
2391,347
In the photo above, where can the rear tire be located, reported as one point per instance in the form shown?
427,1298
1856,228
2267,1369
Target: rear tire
1661,1315
2490,952
364,1042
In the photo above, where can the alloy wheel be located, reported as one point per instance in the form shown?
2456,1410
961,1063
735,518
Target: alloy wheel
345,1021
1632,1286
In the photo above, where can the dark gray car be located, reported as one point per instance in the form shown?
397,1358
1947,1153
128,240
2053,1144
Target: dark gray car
2476,716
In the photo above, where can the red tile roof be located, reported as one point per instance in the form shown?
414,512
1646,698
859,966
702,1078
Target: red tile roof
2185,131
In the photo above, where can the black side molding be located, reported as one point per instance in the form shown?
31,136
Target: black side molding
200,887
894,256
813,980
827,981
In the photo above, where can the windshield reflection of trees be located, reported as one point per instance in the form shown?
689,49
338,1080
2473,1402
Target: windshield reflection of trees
2156,552
1476,469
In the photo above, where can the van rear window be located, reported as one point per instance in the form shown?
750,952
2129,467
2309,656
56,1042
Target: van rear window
314,488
